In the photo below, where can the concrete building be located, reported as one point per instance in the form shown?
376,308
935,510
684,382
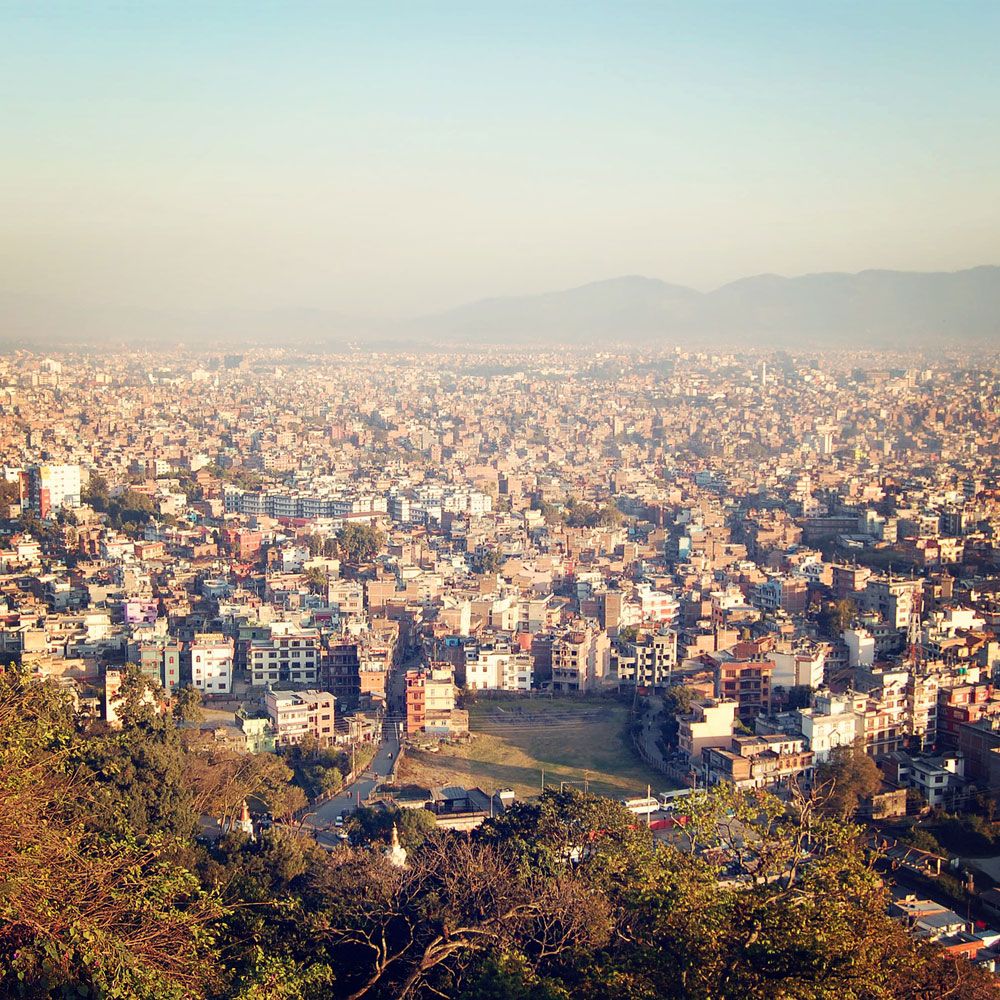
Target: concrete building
290,655
294,715
649,660
430,703
211,658
581,660
52,487
709,724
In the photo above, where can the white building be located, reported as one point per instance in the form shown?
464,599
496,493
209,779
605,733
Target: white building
290,655
295,715
212,663
51,487
860,647
828,727
799,667
497,669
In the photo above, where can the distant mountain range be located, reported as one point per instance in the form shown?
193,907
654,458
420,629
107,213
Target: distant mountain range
882,309
873,308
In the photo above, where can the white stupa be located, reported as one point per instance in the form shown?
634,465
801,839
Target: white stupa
395,852
244,824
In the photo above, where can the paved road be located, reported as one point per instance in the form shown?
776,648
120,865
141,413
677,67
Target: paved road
324,815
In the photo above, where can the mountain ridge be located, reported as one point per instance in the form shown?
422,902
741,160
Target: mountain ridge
877,308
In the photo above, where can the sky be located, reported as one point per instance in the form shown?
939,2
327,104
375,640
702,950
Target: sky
396,159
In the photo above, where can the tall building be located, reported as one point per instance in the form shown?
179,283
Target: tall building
430,702
211,656
289,655
581,660
649,659
295,715
51,487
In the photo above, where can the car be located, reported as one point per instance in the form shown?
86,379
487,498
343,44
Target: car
339,821
390,755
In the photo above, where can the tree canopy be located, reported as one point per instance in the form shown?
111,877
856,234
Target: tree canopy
110,891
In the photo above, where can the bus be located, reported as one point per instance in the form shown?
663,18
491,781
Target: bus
671,799
642,806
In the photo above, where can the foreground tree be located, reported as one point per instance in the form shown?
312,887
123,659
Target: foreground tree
84,912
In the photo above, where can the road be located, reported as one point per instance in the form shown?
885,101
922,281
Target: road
323,816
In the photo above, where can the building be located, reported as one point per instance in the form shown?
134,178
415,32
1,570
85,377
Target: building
52,487
708,724
649,660
211,658
922,708
758,761
581,660
829,724
294,715
799,665
160,660
743,675
497,666
430,702
289,655
940,778
113,681
894,599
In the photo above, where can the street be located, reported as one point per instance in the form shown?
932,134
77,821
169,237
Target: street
323,816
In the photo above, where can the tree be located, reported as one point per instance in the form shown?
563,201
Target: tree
609,516
82,912
845,779
188,705
360,542
834,618
409,932
96,492
374,826
491,561
677,700
220,781
10,495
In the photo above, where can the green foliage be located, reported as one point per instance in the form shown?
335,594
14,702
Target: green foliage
106,894
374,826
847,778
86,911
187,705
836,617
96,492
316,771
10,495
359,543
677,700
490,561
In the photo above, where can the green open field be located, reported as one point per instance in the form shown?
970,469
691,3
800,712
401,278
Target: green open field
515,739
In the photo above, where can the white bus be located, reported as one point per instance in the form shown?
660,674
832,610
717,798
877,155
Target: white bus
672,798
642,806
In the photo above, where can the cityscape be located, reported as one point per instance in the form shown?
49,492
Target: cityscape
436,585
500,501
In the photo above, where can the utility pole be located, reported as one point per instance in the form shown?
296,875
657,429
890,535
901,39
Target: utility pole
543,780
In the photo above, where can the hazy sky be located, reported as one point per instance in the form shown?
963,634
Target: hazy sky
395,158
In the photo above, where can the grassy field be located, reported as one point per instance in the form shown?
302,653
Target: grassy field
515,739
